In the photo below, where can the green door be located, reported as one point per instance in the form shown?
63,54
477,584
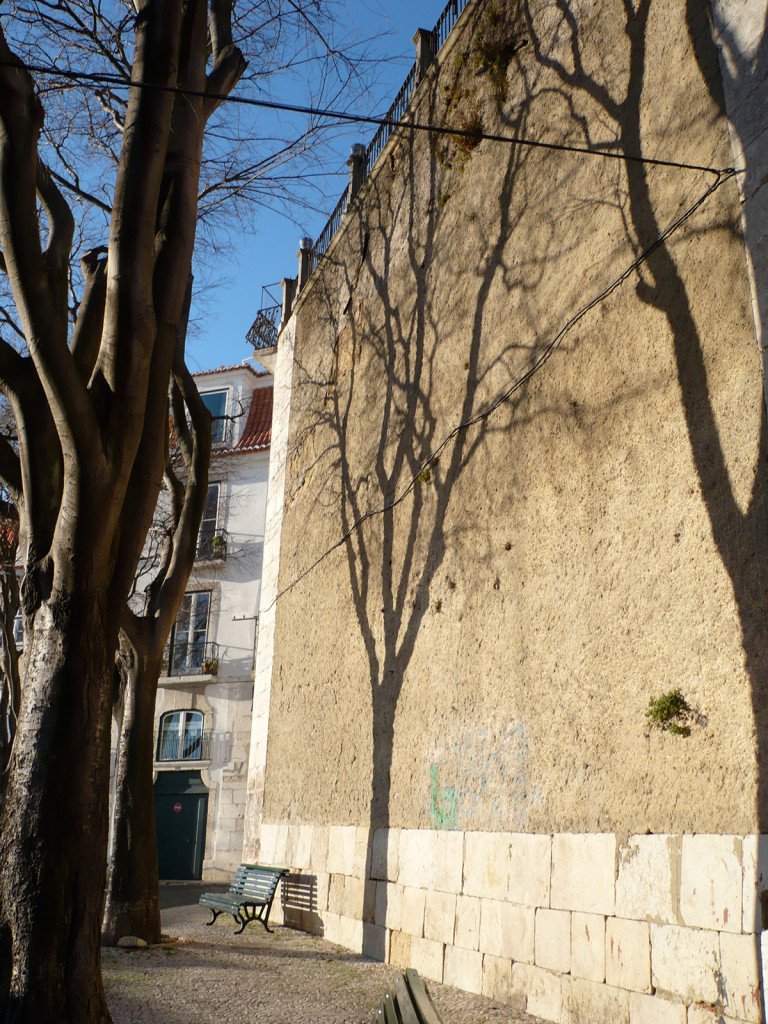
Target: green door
181,807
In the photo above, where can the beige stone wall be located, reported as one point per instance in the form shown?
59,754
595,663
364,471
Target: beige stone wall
576,929
481,656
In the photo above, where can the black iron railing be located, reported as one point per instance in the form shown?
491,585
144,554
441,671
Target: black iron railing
212,545
330,229
441,31
191,659
393,115
263,331
187,747
447,20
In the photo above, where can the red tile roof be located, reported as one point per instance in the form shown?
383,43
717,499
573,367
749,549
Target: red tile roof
237,366
258,427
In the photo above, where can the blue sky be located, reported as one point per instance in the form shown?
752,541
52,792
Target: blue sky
266,250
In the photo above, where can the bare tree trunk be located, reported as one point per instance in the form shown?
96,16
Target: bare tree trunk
132,900
51,882
10,686
132,905
91,412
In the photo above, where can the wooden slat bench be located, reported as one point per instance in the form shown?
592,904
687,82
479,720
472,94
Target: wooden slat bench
407,1002
249,898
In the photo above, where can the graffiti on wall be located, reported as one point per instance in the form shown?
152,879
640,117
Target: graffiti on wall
479,782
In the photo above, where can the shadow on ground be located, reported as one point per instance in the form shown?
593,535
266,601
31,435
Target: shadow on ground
207,975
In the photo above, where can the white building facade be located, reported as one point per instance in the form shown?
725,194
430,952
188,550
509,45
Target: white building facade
204,703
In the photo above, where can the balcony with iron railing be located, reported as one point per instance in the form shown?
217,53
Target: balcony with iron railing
190,659
184,747
212,545
262,333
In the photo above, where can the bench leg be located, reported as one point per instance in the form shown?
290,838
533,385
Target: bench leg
264,916
215,915
248,914
243,919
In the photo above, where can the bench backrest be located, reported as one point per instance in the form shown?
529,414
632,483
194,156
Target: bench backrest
256,881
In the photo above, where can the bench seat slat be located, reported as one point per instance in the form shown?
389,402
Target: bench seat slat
422,1000
407,1002
406,1011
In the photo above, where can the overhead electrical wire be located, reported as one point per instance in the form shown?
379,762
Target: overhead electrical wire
722,174
117,81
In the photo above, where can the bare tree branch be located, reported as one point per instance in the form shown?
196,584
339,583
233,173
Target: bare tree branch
74,187
129,336
86,336
29,270
62,229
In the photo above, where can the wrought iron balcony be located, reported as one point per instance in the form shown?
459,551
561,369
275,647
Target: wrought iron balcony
191,659
212,545
184,747
263,331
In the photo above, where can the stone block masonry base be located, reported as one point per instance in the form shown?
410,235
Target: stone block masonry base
575,929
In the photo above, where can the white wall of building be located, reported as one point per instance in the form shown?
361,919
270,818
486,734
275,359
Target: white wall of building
225,696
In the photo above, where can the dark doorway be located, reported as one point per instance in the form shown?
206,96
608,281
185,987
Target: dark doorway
181,807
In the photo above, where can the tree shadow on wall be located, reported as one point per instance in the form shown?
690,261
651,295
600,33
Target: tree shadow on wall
739,536
397,503
743,70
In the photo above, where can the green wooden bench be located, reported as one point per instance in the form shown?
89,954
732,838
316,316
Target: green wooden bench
249,898
407,1002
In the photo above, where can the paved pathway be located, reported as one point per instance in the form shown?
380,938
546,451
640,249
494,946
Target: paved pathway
210,976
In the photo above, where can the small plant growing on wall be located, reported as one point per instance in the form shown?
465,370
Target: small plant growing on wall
500,34
671,713
472,123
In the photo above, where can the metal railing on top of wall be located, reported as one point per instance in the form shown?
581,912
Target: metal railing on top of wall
439,34
330,229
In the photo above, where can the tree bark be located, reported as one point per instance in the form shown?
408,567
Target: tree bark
132,904
132,899
92,433
10,688
51,880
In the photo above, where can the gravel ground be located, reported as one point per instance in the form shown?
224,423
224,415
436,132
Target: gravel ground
210,976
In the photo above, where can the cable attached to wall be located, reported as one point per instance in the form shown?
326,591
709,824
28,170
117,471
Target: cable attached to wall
118,82
721,175
518,382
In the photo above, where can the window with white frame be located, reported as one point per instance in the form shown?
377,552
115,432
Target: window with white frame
180,736
189,652
216,403
211,541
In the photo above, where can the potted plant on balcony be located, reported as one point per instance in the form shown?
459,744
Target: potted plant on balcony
211,666
218,546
